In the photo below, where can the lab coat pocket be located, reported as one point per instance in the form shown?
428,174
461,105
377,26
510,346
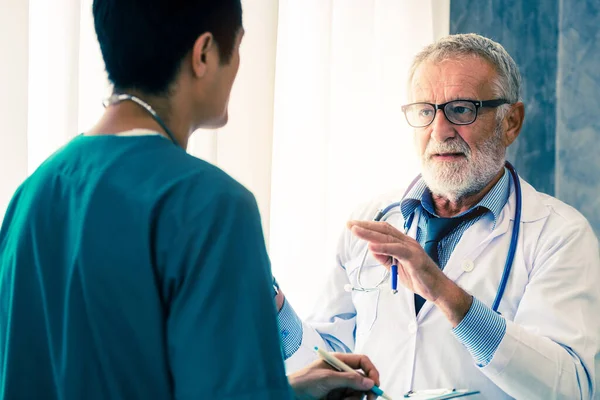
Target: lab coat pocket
366,304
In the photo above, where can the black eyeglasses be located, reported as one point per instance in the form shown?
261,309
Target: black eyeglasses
458,112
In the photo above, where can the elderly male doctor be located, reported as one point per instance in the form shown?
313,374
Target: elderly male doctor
440,330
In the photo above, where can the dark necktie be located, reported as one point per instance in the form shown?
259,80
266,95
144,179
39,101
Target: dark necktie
437,229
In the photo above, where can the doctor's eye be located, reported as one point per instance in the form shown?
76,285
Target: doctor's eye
419,115
461,110
425,112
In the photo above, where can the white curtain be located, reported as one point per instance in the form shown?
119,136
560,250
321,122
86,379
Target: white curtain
53,82
67,82
339,134
315,124
243,147
14,63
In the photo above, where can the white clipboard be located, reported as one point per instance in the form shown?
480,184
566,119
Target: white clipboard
439,394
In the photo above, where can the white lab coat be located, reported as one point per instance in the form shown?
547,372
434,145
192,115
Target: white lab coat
551,305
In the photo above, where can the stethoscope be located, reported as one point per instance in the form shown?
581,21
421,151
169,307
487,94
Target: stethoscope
118,98
391,209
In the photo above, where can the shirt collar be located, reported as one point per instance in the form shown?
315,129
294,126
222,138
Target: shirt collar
413,198
420,195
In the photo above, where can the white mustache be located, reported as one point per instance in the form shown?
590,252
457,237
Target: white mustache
452,146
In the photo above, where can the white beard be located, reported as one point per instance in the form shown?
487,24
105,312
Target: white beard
456,179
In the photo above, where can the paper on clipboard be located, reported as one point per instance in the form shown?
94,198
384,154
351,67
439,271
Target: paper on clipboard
440,395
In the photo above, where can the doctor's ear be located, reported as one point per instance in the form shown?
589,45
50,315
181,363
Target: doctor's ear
513,122
204,48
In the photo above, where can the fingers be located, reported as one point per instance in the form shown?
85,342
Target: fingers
383,251
384,260
371,235
376,226
384,246
336,380
362,362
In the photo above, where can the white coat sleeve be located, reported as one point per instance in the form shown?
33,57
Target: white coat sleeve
551,349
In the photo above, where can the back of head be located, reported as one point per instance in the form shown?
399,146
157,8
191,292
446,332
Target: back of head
143,42
508,84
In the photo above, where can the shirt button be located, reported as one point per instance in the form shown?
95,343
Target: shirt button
412,328
468,265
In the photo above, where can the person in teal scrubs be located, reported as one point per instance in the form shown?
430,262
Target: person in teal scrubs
125,263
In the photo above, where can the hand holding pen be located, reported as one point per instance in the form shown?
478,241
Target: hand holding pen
335,361
320,381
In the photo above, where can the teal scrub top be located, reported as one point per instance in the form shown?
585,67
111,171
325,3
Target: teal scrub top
132,270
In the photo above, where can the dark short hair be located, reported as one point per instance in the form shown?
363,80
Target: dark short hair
144,42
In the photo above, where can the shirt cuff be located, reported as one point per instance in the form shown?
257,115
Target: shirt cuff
290,330
481,332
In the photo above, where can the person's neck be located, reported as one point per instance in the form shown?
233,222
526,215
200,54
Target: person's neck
446,207
127,115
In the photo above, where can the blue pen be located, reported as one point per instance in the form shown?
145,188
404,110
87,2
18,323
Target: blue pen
394,278
341,366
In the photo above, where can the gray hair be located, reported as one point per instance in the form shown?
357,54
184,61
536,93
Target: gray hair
508,83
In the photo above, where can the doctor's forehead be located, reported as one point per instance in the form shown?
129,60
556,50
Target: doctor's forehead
466,78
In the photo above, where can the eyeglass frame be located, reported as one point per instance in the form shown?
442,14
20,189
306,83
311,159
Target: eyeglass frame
477,103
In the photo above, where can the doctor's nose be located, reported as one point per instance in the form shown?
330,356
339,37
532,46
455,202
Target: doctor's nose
441,129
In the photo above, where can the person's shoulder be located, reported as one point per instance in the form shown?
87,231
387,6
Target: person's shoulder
562,213
559,231
207,177
563,221
201,190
